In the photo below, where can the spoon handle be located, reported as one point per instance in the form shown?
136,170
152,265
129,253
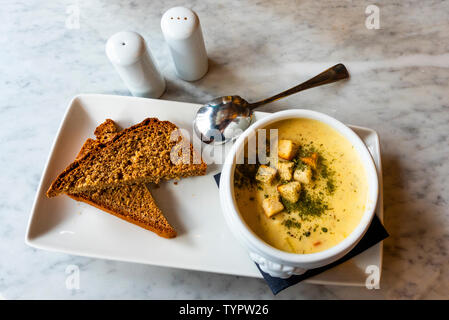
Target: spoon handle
335,73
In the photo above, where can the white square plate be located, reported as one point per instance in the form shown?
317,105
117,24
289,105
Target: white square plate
192,205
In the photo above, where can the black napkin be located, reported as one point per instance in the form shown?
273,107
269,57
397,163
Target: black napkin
375,233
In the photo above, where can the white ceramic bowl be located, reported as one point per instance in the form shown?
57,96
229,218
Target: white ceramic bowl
273,261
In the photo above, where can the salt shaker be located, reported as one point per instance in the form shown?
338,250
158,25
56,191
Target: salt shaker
130,56
182,32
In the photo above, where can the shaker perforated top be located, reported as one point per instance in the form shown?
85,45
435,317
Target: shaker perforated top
179,23
125,48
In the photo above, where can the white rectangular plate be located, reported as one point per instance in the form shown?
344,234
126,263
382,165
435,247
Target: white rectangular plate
192,205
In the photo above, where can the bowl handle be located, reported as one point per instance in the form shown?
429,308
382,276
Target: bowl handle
275,269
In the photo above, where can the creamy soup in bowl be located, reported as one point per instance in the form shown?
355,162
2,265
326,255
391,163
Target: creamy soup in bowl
310,195
307,199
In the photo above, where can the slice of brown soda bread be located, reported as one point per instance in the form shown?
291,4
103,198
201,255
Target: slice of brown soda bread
147,152
132,203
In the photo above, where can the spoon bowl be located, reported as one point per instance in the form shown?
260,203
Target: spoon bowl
225,118
222,119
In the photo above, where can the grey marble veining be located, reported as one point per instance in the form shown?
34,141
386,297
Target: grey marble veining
399,87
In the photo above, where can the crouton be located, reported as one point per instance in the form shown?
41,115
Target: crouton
311,161
286,149
303,175
285,169
265,174
290,191
271,206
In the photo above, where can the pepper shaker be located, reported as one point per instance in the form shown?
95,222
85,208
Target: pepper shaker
182,32
135,64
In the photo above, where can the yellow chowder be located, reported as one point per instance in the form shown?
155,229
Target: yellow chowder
309,195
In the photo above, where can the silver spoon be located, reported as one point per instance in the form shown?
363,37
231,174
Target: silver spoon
224,118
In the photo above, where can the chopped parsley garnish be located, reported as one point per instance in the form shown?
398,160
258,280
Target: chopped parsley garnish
330,186
306,205
303,152
322,168
291,224
327,174
244,175
298,164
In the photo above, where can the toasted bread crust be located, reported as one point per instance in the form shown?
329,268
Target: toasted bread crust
88,146
54,189
168,232
106,131
143,211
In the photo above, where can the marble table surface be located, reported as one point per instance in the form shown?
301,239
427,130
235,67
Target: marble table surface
399,87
